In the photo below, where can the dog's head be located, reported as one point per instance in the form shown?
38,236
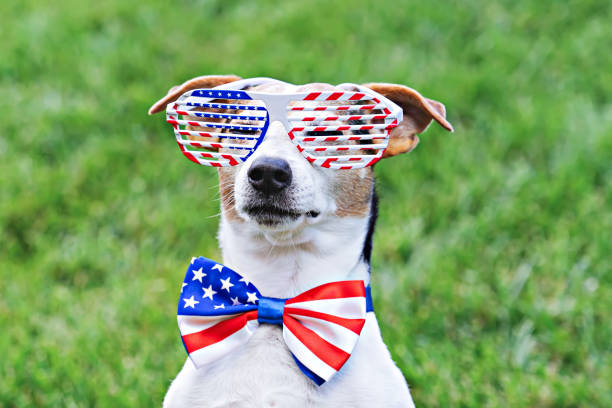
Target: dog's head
278,191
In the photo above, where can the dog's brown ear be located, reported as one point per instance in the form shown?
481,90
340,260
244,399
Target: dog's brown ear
418,114
206,81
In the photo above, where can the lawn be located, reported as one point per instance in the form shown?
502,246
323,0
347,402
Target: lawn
492,263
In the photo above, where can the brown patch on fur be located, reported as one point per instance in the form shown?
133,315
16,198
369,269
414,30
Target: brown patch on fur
353,192
226,190
206,81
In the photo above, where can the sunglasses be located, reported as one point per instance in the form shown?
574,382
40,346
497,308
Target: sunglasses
223,127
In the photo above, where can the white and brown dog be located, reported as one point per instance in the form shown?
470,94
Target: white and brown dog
288,226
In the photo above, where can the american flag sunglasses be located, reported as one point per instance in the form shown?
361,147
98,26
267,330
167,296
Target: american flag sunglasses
338,130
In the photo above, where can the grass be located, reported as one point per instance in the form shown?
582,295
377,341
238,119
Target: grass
492,259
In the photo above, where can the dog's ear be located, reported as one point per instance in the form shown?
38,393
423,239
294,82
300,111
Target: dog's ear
206,81
418,114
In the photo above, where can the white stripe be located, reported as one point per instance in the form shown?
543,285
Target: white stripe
333,333
348,308
192,324
307,357
215,351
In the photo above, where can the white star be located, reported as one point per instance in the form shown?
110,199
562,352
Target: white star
208,292
221,306
198,274
252,297
217,267
235,301
219,93
226,284
245,280
183,287
193,259
191,302
229,94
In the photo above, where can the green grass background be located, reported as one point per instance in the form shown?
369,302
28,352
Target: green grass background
492,260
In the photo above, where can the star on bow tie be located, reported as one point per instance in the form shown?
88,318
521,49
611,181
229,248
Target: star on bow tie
219,310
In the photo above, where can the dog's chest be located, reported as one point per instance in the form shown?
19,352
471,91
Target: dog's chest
262,373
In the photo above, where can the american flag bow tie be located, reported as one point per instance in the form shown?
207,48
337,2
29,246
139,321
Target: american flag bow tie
219,310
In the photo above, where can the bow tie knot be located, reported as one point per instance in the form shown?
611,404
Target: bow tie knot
270,310
219,310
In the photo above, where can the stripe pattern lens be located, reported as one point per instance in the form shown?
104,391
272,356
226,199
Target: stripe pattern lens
341,130
217,127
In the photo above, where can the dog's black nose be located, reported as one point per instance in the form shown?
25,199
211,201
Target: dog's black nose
270,174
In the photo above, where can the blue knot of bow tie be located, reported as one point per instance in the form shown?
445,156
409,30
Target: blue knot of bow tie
270,310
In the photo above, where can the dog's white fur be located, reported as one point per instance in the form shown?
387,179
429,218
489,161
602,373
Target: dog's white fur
282,261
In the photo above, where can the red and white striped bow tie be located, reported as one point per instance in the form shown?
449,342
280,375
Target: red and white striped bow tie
219,310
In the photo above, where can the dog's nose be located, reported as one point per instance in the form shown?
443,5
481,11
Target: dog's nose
269,174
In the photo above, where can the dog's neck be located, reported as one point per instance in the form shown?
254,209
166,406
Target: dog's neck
284,265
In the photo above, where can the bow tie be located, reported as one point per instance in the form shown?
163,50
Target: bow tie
219,310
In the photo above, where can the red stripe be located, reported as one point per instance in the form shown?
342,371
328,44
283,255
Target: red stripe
356,97
327,162
354,325
332,290
357,117
311,96
355,159
218,332
320,108
366,127
308,119
346,167
308,139
297,108
367,107
204,134
374,160
190,157
330,354
334,96
215,164
341,148
232,160
320,128
342,108
331,139
184,133
311,159
320,149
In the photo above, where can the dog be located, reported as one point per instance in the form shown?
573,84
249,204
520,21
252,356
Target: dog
300,227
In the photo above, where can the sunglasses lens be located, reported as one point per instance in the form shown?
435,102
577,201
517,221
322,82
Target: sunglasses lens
217,127
341,130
